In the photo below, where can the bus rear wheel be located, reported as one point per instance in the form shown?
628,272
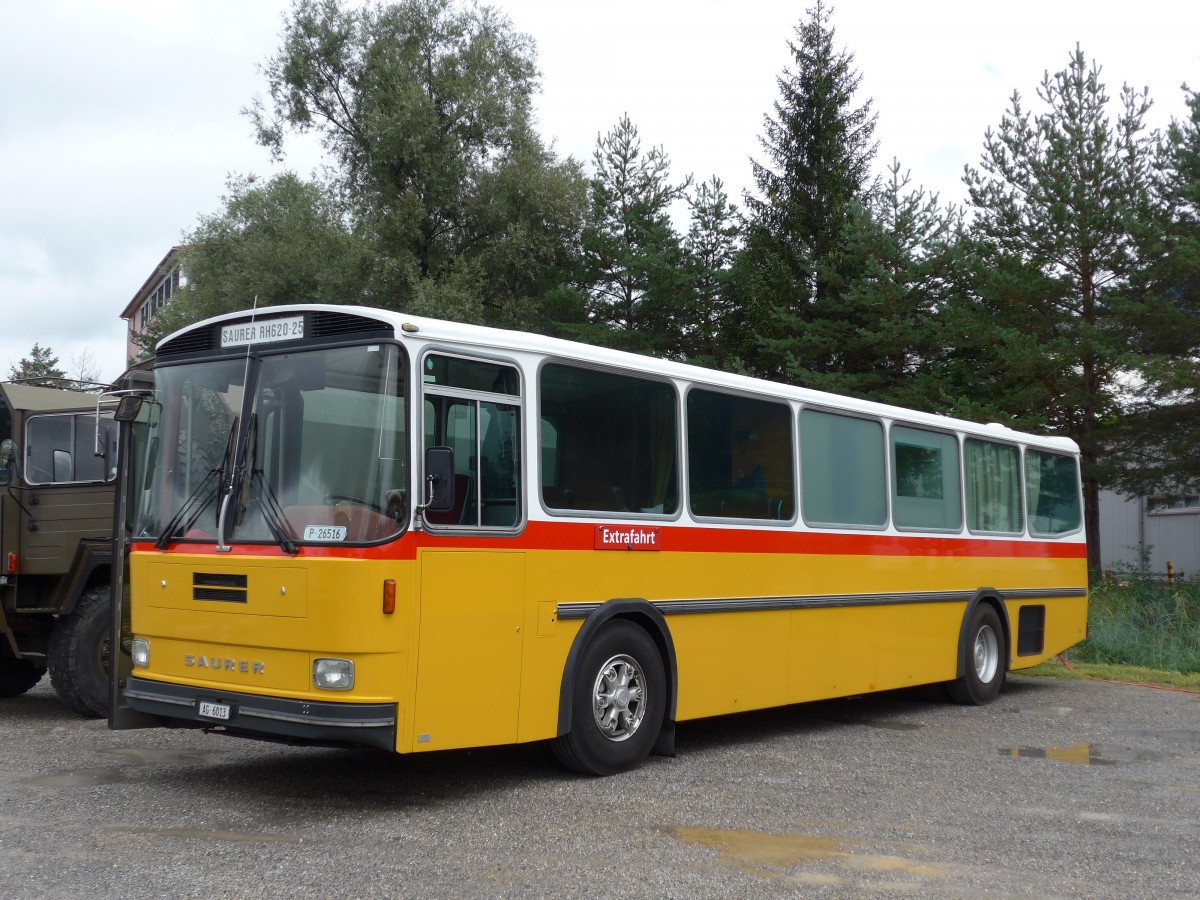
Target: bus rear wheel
618,703
80,655
983,661
17,676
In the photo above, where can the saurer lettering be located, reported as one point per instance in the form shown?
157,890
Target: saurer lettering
222,663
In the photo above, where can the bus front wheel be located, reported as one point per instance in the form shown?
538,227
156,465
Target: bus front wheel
983,660
617,705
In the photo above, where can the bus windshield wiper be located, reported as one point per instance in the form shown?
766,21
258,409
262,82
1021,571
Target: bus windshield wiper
191,509
272,513
197,501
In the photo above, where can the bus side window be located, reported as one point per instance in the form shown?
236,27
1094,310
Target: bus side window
484,435
842,470
993,487
617,441
739,457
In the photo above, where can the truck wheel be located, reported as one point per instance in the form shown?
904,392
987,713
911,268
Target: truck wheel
80,652
618,704
16,675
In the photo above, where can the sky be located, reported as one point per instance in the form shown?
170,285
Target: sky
121,122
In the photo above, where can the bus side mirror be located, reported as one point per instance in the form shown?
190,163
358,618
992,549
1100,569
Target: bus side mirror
439,479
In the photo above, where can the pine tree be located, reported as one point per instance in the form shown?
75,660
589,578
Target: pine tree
712,243
39,368
1050,333
819,150
897,255
633,262
1157,447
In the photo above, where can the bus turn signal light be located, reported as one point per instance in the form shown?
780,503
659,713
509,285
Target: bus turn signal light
389,596
12,564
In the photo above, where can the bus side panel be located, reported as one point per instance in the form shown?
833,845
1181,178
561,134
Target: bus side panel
469,656
835,652
730,662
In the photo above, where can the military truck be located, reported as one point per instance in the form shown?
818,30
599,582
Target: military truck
57,483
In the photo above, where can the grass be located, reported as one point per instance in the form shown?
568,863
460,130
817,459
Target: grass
1139,631
1111,672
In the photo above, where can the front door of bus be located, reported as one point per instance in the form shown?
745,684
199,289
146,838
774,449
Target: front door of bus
469,656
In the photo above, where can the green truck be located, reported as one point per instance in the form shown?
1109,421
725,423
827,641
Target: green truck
58,464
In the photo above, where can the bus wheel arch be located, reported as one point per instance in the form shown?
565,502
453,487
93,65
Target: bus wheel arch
983,650
629,636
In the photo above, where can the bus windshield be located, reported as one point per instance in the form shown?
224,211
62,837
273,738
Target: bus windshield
304,447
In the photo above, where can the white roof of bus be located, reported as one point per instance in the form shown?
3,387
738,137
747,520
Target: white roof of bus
444,332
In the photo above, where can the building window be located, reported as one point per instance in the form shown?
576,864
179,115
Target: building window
1174,504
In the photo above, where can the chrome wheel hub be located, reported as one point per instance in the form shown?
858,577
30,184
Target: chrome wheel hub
618,698
986,654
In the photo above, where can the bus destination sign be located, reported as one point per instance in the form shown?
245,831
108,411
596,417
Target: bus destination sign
628,537
266,331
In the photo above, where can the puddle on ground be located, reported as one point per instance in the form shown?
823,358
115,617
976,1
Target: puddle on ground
209,834
1078,755
77,778
150,757
751,851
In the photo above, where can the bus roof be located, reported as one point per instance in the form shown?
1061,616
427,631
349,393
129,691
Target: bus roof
498,339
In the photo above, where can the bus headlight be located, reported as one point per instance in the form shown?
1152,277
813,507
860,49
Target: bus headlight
140,651
333,674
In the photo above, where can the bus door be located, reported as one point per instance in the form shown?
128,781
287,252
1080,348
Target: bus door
472,592
134,416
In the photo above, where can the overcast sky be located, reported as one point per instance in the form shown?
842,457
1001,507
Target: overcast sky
120,119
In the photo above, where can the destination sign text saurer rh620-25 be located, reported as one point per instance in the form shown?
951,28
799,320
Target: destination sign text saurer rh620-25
290,328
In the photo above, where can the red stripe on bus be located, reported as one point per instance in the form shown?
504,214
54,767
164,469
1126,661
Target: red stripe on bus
677,539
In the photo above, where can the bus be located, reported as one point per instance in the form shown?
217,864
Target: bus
355,526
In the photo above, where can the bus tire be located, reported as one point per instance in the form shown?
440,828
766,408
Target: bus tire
618,703
983,657
17,676
80,653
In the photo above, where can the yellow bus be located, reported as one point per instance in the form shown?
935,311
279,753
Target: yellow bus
356,526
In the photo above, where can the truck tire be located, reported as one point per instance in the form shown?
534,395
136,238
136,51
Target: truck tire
16,675
80,653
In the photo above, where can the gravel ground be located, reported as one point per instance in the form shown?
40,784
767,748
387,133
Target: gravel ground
1059,789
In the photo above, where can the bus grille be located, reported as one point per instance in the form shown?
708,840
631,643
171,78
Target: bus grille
222,587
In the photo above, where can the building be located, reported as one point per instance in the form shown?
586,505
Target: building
153,295
1146,533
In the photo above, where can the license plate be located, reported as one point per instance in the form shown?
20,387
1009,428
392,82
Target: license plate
214,710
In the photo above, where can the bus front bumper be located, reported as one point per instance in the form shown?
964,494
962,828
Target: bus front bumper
369,724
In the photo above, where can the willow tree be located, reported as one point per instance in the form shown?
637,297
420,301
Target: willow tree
424,107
